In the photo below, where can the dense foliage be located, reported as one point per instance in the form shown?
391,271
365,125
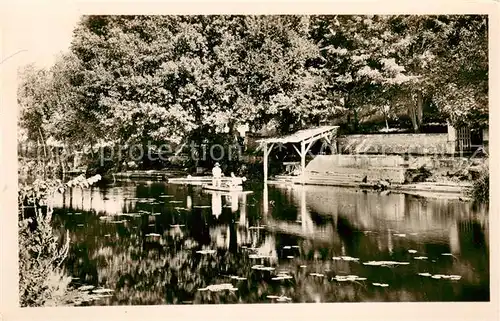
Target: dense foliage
138,79
481,187
42,279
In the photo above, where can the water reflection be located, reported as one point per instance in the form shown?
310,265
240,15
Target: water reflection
216,204
157,243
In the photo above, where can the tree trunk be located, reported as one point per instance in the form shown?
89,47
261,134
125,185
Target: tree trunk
44,152
420,108
62,161
415,112
356,120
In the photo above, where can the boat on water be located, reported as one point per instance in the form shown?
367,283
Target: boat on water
206,180
233,188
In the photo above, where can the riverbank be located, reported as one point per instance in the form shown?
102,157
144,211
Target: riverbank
459,189
149,174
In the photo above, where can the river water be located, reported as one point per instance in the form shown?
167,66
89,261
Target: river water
158,243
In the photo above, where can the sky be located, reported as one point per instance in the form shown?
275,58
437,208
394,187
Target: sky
37,36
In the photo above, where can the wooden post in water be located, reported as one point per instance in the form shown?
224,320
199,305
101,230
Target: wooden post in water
265,201
267,151
302,161
266,154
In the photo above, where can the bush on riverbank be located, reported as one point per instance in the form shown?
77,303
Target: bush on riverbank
42,279
481,187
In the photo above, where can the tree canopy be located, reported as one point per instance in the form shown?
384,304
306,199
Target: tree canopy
134,79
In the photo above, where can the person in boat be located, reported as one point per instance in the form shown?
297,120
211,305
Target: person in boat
216,175
235,181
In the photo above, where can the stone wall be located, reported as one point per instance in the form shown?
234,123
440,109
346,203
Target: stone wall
357,167
377,167
322,162
418,144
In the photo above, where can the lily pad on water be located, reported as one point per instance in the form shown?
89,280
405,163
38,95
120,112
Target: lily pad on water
385,263
287,247
118,222
262,268
258,256
204,252
290,257
102,296
102,291
177,225
412,251
219,287
443,276
86,288
130,214
280,298
420,258
425,274
344,278
381,284
345,258
280,277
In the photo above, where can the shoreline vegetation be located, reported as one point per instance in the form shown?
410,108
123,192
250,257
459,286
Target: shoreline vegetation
43,281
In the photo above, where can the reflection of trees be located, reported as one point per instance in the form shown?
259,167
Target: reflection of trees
166,268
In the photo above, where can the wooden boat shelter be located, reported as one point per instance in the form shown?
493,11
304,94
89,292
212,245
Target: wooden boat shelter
306,138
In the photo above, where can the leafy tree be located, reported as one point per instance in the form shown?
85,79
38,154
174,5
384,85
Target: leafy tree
34,110
135,79
161,77
407,62
462,71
